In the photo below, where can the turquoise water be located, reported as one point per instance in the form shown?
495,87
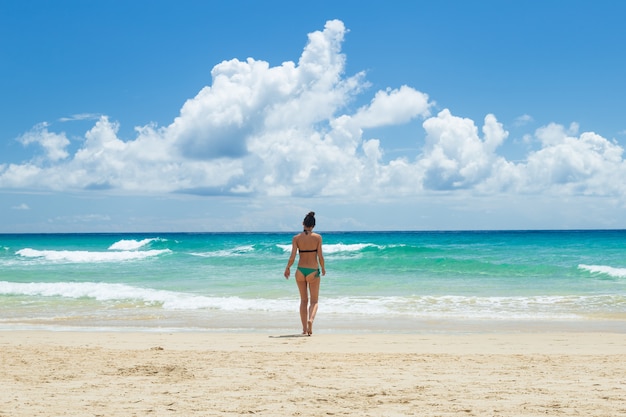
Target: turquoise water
376,281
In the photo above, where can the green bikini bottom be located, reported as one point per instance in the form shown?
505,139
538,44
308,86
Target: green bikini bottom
308,271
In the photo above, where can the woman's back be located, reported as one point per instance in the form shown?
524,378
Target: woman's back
309,248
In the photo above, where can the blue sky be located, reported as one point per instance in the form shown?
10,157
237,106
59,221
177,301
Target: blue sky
245,115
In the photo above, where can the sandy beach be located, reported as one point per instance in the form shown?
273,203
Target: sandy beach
47,373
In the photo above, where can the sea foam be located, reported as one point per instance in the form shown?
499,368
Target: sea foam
88,256
339,247
603,269
130,244
429,307
237,251
168,300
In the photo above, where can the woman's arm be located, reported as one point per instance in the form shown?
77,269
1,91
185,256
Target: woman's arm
292,257
320,256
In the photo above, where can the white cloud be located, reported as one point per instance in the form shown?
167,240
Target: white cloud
523,120
22,206
454,155
53,144
81,116
587,164
393,107
288,131
85,218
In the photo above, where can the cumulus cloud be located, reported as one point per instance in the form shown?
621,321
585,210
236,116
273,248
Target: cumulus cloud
53,144
393,107
289,130
586,163
454,154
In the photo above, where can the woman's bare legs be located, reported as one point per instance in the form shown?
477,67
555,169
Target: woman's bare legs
314,289
304,301
309,284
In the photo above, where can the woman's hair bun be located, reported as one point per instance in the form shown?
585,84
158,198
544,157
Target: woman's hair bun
309,220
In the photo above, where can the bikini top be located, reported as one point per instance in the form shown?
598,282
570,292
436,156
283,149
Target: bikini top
310,250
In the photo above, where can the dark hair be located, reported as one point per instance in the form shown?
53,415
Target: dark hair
309,220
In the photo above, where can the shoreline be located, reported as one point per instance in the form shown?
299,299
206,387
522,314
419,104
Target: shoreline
117,374
583,343
272,323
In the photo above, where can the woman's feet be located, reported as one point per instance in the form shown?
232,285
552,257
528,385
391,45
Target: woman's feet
309,329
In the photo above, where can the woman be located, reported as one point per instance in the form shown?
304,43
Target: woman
309,246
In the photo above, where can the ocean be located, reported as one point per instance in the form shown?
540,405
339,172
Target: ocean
468,281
